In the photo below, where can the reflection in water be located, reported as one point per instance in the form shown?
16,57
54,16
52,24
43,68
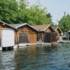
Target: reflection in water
24,57
32,58
1,67
37,58
7,60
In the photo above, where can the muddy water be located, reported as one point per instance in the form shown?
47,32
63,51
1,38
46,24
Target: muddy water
37,58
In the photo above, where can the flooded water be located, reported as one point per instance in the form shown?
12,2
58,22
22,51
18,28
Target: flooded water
37,58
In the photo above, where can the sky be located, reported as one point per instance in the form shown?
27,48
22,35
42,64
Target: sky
55,7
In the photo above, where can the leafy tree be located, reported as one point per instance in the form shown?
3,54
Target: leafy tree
64,23
8,9
13,11
37,15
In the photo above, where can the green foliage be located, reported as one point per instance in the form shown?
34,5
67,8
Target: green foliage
37,15
12,11
8,10
64,23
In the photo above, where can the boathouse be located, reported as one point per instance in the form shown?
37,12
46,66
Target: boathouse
7,35
45,33
24,33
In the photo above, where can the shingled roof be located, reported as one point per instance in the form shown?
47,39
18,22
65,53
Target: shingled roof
59,30
4,23
16,26
41,27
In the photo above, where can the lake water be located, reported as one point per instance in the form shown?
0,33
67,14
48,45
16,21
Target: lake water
37,58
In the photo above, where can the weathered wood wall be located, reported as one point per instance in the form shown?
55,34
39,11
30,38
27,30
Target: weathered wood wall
31,34
1,27
50,37
40,36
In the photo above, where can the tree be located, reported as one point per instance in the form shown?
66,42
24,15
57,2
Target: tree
64,23
37,15
8,9
13,11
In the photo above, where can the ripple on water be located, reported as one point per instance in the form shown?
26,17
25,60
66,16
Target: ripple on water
37,58
7,60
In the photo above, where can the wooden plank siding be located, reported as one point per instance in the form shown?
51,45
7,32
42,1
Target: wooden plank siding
40,36
31,35
28,34
1,28
45,33
50,35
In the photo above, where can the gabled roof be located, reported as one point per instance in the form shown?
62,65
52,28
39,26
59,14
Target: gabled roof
18,26
37,28
42,27
57,28
4,23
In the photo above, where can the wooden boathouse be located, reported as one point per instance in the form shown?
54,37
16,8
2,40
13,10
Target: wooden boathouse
13,34
25,33
7,36
45,33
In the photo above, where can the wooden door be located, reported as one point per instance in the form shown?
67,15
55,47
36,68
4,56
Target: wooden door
47,37
23,38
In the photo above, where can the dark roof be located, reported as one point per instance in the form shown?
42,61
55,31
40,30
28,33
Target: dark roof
37,28
4,23
18,26
42,27
58,29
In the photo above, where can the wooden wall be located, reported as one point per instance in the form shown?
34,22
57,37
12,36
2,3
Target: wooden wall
1,27
50,35
54,37
40,36
31,34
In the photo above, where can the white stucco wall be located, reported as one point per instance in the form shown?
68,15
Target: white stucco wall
8,38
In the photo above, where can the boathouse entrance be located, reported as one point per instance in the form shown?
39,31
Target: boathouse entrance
23,38
47,37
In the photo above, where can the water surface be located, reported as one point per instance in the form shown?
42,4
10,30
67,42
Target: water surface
37,58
